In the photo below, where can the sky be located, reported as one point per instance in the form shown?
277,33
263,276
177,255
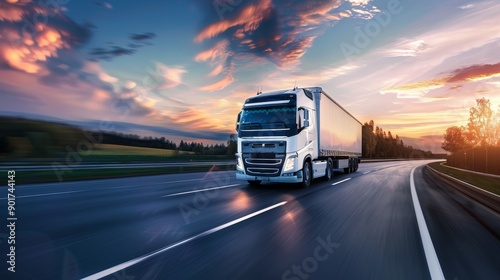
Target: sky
183,68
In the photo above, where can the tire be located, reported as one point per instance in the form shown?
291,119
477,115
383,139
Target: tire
356,165
254,183
347,170
329,170
306,175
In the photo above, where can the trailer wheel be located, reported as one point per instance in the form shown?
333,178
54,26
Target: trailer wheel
356,165
254,183
347,170
307,175
329,170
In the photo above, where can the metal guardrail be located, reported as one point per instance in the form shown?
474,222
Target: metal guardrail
470,171
486,198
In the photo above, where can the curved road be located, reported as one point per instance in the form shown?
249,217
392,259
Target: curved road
357,226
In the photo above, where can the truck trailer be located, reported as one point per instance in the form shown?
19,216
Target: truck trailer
295,136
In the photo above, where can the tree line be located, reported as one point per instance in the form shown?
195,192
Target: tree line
377,143
27,138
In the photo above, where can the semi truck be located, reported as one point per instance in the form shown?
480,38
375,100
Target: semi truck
295,136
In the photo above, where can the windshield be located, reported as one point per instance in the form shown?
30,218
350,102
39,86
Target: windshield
268,118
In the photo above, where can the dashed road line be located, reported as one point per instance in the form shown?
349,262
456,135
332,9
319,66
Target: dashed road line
336,183
44,194
201,190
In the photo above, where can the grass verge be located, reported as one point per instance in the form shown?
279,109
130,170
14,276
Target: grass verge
47,176
484,182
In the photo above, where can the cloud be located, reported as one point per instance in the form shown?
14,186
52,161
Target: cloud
106,5
279,31
221,84
407,47
143,36
110,53
467,6
286,79
463,75
475,73
359,2
169,76
26,46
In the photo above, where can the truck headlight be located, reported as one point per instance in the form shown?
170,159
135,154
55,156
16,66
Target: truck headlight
289,163
239,163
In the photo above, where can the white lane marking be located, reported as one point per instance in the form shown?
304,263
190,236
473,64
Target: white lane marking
430,252
44,194
201,190
336,183
127,264
178,181
366,172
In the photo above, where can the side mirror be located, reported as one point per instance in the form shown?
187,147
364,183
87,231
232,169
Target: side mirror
303,118
238,121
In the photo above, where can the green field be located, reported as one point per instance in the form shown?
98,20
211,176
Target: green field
487,183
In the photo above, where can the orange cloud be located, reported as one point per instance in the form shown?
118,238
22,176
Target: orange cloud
475,73
217,51
217,70
463,75
420,86
226,81
30,51
250,18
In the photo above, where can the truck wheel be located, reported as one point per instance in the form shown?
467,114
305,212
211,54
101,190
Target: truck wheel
329,171
254,183
307,175
356,165
347,170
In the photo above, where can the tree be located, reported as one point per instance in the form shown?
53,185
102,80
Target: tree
496,135
369,140
454,139
481,126
232,145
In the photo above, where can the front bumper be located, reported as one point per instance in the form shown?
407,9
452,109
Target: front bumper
295,177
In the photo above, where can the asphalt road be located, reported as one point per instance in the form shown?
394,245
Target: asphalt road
357,226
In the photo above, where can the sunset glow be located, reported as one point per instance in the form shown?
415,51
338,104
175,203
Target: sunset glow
182,69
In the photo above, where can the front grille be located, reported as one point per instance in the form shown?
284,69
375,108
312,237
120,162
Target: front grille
263,145
263,161
263,155
264,171
263,158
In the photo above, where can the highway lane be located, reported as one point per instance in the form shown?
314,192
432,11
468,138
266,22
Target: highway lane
364,227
